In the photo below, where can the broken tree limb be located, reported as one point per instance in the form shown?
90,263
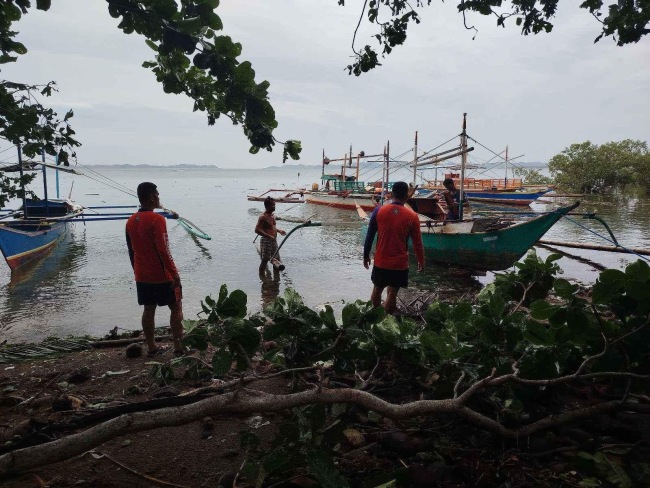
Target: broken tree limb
244,401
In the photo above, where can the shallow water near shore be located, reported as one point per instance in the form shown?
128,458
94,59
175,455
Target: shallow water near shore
85,285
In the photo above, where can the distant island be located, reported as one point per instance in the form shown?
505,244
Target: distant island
200,166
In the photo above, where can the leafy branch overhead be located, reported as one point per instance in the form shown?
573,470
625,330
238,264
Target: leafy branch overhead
625,21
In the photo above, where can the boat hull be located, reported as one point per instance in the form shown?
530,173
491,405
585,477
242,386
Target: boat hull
348,202
508,198
491,250
21,243
460,244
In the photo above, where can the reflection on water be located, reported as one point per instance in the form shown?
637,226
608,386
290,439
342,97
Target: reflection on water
45,286
270,285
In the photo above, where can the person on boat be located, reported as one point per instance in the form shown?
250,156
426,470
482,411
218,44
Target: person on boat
157,280
452,198
268,231
395,224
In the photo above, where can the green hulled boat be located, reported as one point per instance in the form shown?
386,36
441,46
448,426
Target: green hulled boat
488,244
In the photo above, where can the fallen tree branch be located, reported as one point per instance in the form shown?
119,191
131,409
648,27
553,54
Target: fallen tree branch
246,402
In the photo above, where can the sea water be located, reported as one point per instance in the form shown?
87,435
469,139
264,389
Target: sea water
85,285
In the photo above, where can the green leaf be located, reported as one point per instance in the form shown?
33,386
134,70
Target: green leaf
432,342
190,325
244,334
564,289
612,276
637,289
327,316
223,293
542,310
221,362
43,4
639,270
191,25
537,334
320,464
461,312
19,48
234,305
152,45
350,315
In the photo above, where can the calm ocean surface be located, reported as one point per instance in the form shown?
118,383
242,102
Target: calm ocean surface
85,286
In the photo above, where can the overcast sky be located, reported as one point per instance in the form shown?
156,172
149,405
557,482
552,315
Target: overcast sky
538,94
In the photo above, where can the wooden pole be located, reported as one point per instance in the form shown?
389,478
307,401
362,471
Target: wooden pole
358,159
22,185
594,247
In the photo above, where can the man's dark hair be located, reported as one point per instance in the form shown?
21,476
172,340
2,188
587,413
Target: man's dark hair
448,181
400,190
267,202
145,190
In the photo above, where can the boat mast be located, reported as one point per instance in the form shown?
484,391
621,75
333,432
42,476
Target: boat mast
22,182
415,158
56,160
47,203
506,178
463,147
387,164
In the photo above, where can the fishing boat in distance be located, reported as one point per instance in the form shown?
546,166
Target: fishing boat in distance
344,190
296,196
489,191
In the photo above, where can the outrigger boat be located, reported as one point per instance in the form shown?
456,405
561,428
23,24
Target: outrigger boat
30,232
486,244
345,191
296,196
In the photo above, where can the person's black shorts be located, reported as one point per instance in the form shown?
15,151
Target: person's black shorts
397,278
160,294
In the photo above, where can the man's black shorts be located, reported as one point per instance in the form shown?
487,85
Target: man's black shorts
160,294
397,278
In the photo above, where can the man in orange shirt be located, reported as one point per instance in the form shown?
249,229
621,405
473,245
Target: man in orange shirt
156,277
395,224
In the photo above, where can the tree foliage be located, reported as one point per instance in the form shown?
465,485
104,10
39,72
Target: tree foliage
625,21
532,176
590,168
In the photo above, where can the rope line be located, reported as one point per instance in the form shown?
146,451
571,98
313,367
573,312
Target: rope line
606,239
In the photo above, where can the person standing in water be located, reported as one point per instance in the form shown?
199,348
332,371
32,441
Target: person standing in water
266,228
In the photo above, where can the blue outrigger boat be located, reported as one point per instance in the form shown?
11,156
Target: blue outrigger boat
505,197
31,231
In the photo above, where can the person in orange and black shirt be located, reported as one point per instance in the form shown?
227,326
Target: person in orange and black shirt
395,224
156,277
